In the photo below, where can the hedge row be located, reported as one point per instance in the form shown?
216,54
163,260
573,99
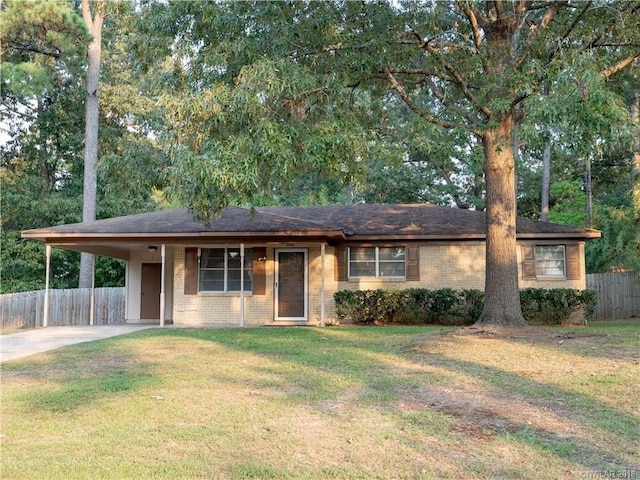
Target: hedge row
456,307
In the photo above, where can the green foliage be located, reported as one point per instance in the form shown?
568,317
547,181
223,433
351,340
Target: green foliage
568,203
410,306
619,247
261,136
23,265
555,306
41,166
42,40
456,307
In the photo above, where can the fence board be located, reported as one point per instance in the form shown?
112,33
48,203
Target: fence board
618,294
66,307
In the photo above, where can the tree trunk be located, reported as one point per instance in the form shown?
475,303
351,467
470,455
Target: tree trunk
502,294
546,182
589,191
635,170
45,175
90,186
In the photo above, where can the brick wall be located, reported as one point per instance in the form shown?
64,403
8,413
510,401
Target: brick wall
220,309
224,309
441,266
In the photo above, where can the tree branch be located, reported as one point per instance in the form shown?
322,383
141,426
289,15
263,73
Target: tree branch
551,13
573,25
542,6
620,65
456,78
473,21
25,47
399,89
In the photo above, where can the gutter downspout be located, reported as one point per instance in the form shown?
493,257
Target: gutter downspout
45,313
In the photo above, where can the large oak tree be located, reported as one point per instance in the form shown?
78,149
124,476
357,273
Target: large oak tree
254,94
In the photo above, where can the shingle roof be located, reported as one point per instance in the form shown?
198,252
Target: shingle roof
352,221
233,219
415,220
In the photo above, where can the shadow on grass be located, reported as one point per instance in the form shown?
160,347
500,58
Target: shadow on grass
80,375
575,407
378,367
314,366
616,341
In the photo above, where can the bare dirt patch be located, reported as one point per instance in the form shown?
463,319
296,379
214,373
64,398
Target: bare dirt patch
537,384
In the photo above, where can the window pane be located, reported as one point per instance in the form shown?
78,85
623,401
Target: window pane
392,269
211,280
248,258
550,252
234,258
550,260
362,254
362,261
551,268
362,269
212,258
248,269
394,253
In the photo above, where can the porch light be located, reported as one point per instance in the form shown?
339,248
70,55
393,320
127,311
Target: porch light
152,248
233,254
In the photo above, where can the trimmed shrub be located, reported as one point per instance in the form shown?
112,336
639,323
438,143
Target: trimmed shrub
456,307
556,305
411,306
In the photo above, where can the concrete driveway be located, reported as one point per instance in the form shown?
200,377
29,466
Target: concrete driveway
29,342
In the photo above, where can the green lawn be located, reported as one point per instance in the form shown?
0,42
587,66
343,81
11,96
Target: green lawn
340,402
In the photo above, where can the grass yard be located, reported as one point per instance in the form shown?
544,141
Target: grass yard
340,402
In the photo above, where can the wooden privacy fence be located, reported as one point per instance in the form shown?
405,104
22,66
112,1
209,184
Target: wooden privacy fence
66,307
618,294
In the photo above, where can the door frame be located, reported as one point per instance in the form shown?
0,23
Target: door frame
276,289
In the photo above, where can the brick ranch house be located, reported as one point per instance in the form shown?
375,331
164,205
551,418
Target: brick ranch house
281,265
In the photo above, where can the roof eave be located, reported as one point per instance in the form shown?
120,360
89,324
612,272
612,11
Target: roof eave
586,235
65,238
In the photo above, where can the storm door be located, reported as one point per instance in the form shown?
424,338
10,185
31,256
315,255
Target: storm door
291,284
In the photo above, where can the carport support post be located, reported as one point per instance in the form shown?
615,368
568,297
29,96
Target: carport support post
93,292
322,320
242,284
162,294
45,314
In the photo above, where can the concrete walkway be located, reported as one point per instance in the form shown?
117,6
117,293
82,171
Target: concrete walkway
29,342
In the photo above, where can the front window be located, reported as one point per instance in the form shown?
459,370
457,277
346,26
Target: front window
388,262
550,261
220,270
